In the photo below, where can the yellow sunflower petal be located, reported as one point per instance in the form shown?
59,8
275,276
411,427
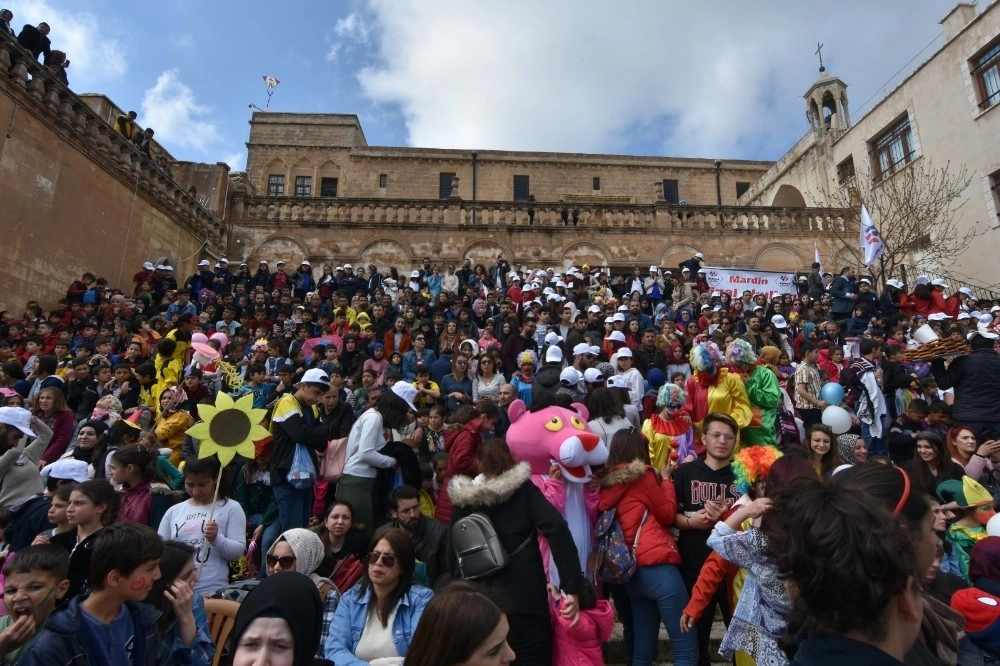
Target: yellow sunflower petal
226,455
199,430
258,432
257,415
209,448
245,403
246,449
223,401
207,412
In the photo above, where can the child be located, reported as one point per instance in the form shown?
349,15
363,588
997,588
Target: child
34,582
440,465
975,510
145,497
677,362
92,506
58,504
580,643
256,385
110,625
669,433
902,438
426,490
433,434
939,418
785,369
218,541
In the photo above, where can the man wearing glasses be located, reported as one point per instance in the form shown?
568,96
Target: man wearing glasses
430,537
705,491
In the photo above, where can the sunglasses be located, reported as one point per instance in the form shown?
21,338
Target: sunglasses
286,561
388,559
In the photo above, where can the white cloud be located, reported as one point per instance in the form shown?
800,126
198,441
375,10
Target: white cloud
351,30
169,107
184,41
89,42
713,78
237,161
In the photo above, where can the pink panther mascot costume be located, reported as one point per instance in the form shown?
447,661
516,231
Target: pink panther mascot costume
559,436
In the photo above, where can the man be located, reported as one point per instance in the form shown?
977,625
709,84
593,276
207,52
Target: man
36,41
182,306
144,141
844,294
757,339
498,274
575,336
635,312
815,287
705,491
808,386
429,536
508,394
202,279
6,16
831,332
693,265
976,381
647,355
302,280
515,344
374,280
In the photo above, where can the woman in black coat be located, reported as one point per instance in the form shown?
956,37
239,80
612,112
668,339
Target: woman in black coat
518,510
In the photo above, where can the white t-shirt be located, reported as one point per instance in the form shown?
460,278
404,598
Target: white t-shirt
185,521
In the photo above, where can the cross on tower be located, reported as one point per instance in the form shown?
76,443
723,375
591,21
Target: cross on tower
819,52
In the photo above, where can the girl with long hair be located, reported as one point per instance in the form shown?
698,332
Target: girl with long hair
145,496
51,409
183,622
931,464
823,455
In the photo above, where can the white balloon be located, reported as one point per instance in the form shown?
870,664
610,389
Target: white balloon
838,418
993,526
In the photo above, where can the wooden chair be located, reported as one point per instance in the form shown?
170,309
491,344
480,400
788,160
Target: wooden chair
221,619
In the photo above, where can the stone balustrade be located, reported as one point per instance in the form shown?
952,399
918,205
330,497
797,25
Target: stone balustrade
548,216
30,83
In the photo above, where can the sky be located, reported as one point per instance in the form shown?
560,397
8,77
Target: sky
713,78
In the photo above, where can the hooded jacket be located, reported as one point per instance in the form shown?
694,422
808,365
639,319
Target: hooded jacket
633,489
518,511
292,597
461,444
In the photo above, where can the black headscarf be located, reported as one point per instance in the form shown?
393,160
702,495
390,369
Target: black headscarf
294,598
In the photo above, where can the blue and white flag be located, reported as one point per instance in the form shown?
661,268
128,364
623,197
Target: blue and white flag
871,241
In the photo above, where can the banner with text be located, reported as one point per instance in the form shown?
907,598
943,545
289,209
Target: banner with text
737,280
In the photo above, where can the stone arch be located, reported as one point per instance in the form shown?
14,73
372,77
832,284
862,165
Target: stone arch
484,251
675,253
384,251
276,166
779,257
585,252
278,247
788,196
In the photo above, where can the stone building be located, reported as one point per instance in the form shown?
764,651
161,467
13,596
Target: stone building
947,112
314,189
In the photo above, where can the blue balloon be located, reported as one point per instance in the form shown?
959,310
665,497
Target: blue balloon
832,392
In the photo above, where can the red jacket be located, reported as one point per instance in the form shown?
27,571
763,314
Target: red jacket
389,342
461,444
632,489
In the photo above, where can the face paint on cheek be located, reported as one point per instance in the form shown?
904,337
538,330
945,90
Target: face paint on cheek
138,585
984,514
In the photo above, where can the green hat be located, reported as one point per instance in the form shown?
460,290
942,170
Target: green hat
966,493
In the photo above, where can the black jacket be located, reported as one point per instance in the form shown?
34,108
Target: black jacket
976,380
519,510
35,42
836,650
431,545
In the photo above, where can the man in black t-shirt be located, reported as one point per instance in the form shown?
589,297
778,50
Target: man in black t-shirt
705,491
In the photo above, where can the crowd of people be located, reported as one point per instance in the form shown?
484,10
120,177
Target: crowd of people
753,445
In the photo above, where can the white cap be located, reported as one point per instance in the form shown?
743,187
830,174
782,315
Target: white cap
415,274
706,306
67,469
716,294
618,317
937,316
622,308
921,279
281,262
161,267
305,262
339,268
204,262
570,376
19,417
616,336
803,278
556,297
985,320
548,291
168,267
262,262
699,255
617,381
779,322
148,266
553,354
407,392
594,308
582,348
552,338
865,281
560,283
609,320
593,376
217,265
939,283
624,352
685,270
995,308
965,290
989,335
223,261
962,316
701,272
347,267
594,350
315,376
653,269
894,283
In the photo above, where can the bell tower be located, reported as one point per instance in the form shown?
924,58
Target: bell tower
826,100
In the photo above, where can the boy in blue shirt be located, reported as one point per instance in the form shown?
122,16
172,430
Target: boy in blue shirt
110,625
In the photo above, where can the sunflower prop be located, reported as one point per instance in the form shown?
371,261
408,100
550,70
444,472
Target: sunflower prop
229,428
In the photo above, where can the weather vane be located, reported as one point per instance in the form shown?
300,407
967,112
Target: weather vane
819,52
270,83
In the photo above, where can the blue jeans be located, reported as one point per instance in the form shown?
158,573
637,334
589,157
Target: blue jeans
294,506
876,447
657,593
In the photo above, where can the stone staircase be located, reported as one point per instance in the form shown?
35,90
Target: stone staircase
614,653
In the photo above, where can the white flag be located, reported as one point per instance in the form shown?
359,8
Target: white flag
871,242
817,259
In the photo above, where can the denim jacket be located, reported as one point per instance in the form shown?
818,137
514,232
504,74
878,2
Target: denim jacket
352,613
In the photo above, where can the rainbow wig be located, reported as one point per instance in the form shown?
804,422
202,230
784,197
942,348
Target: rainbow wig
751,465
705,357
740,351
671,396
526,357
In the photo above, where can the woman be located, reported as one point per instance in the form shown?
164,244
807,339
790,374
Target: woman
448,340
19,477
518,510
488,381
607,414
476,627
326,283
363,459
434,282
376,618
301,550
91,446
462,443
51,409
340,538
279,622
183,622
646,504
852,448
975,458
456,387
172,422
931,464
524,379
822,455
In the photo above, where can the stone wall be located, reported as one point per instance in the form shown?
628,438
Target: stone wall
77,197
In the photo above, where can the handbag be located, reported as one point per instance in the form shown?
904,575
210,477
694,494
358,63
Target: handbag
302,473
334,459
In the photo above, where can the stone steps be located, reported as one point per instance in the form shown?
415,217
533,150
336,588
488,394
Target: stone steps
614,652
